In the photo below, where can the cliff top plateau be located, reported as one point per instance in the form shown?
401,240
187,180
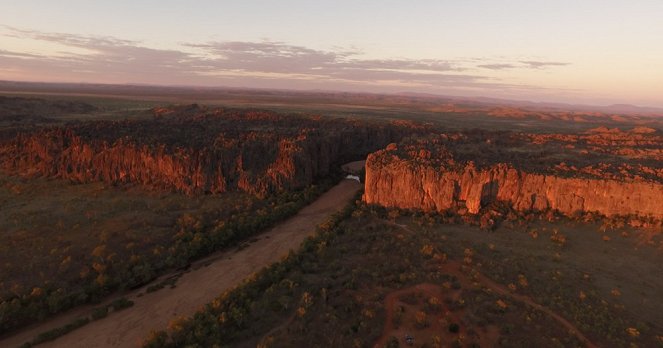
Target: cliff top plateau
635,155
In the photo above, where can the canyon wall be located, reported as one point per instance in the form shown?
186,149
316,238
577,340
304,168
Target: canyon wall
417,181
199,151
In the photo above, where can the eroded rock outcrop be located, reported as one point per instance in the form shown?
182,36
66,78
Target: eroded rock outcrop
195,150
426,175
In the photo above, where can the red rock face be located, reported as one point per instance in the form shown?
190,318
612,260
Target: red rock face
415,180
201,151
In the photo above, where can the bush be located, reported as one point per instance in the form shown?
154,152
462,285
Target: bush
121,303
99,313
392,343
57,332
454,328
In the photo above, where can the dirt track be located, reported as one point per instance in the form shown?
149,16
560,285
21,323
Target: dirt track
194,289
456,269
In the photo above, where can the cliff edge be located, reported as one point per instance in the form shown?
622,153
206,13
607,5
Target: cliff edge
426,175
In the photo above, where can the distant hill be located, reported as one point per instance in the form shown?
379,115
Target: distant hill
625,109
136,90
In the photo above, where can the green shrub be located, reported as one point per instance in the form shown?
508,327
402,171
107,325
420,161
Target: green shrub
121,303
99,313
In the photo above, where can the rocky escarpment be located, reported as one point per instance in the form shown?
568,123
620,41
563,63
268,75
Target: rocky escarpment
426,175
194,150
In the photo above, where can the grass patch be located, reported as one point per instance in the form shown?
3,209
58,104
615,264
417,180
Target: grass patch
96,314
60,251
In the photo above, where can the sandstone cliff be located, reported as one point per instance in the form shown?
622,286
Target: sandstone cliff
194,150
416,177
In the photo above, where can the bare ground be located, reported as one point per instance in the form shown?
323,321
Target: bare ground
194,289
486,337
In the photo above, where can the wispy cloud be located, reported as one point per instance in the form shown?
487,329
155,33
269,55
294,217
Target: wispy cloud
540,65
523,64
17,54
497,66
67,39
265,63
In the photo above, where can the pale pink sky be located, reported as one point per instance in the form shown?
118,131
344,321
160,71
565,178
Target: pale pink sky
598,52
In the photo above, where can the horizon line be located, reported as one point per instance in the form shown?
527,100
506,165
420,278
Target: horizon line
648,109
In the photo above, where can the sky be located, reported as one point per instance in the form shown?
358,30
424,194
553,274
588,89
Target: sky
582,51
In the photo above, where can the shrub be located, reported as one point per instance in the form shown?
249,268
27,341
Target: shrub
99,313
454,328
